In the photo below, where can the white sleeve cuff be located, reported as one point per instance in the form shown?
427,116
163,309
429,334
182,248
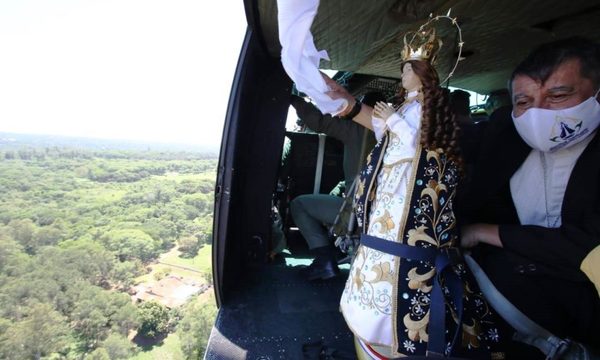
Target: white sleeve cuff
379,127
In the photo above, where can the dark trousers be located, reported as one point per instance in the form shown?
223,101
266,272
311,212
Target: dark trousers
312,213
567,309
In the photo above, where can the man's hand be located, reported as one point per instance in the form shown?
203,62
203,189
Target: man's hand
383,111
471,235
337,91
332,84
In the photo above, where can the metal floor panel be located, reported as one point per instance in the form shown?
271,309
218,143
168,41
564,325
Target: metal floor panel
275,311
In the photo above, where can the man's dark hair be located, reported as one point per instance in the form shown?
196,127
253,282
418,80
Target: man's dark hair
459,102
544,60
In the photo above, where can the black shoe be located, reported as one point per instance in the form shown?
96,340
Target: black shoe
345,260
305,270
321,269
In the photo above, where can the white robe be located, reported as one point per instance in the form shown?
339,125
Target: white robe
368,299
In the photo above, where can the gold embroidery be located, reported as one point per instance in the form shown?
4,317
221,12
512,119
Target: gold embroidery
386,221
409,191
383,272
418,281
417,330
469,335
433,190
358,278
374,180
419,234
399,238
434,218
467,288
396,163
433,154
361,189
431,216
365,281
385,170
372,195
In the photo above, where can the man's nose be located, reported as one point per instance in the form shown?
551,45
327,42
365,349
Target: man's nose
538,102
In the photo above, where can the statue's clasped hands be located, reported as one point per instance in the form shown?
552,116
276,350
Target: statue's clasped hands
383,111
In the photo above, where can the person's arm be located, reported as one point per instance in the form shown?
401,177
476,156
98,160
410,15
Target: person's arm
310,115
364,117
340,129
317,121
562,248
339,92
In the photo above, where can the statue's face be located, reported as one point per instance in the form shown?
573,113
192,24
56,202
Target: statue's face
410,80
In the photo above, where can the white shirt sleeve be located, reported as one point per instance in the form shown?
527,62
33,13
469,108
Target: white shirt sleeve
300,57
379,127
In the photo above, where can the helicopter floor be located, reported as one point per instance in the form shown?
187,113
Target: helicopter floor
276,311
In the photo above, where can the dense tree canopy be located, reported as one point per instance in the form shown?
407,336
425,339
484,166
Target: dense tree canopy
77,227
195,327
40,332
154,319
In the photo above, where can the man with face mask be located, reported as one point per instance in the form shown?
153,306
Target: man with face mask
534,205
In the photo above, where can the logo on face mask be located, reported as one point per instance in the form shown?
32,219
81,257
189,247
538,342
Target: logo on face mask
567,129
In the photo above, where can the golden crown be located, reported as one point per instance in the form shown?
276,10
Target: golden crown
423,44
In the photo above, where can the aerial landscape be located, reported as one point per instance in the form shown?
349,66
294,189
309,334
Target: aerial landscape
105,248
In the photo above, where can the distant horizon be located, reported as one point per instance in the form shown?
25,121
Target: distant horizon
94,142
116,139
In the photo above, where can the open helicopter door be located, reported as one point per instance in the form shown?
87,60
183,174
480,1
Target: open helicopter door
249,159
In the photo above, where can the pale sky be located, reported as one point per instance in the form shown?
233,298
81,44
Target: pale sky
152,70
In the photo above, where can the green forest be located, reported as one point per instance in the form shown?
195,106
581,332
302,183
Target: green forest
105,254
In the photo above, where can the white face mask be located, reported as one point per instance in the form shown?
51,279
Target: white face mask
550,130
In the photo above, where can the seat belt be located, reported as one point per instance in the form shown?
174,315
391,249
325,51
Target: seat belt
528,331
319,166
348,198
346,242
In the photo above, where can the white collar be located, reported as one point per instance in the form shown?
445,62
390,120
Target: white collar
538,187
412,94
